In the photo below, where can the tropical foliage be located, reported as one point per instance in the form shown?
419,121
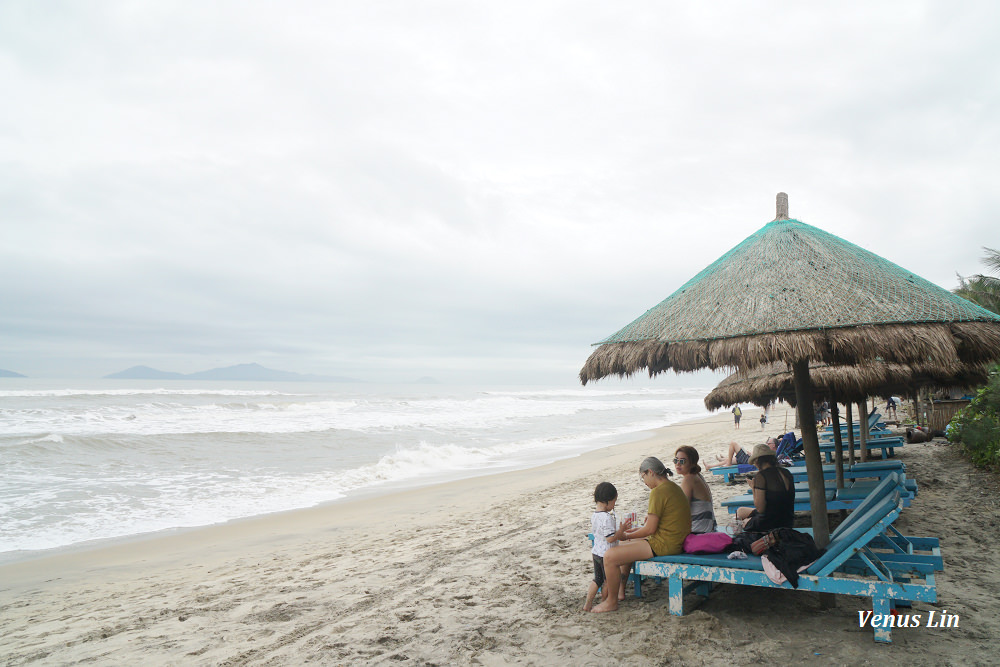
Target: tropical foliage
980,288
977,426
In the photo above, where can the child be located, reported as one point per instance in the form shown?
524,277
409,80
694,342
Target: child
763,419
603,527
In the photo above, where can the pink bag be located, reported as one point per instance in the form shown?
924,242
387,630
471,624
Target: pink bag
706,543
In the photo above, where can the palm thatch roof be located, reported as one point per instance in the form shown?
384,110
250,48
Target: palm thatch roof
791,291
774,382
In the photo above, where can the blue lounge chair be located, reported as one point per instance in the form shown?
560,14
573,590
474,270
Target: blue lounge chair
877,469
873,423
729,472
787,446
848,498
874,435
857,481
850,565
887,446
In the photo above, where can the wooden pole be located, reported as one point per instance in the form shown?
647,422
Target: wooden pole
810,443
838,441
850,431
863,427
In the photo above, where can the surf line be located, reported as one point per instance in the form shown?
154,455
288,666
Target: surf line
934,620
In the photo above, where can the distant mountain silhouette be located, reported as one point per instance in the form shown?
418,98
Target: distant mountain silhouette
240,372
144,373
10,374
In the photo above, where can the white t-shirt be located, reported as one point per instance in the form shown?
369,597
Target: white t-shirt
603,524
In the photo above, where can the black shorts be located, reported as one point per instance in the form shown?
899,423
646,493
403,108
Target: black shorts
742,458
599,578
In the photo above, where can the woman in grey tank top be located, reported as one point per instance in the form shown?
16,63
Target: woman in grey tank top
696,489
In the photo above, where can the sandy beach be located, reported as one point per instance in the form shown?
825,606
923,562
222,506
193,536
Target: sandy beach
490,571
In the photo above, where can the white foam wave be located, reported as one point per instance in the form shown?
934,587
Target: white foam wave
51,437
43,393
164,417
96,468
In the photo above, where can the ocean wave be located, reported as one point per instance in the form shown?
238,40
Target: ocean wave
63,393
112,466
585,392
51,437
362,415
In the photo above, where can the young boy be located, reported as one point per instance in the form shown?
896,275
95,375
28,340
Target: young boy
606,535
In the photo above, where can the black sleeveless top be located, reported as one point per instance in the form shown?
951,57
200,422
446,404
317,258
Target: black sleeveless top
779,499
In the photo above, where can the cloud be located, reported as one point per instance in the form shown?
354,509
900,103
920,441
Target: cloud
385,188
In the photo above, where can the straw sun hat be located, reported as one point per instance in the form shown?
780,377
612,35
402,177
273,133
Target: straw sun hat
759,451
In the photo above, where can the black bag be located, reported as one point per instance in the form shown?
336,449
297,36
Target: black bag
743,540
790,551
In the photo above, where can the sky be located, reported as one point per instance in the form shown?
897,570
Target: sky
469,191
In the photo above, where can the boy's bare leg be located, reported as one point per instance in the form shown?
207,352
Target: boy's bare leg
614,560
591,592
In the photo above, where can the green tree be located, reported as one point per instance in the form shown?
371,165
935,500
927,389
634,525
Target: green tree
981,288
977,426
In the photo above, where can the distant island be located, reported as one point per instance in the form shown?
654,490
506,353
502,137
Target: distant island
10,374
240,372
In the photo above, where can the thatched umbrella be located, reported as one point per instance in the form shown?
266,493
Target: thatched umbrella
774,382
794,293
767,384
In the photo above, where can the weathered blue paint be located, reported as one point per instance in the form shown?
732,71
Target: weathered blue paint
866,558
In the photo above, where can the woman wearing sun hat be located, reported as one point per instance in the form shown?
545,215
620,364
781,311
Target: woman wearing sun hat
773,494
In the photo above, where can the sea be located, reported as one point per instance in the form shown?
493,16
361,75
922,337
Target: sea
89,461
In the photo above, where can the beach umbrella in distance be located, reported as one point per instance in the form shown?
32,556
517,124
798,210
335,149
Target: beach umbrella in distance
764,385
793,293
852,384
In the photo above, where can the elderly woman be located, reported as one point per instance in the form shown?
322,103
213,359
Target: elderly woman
696,489
668,522
773,494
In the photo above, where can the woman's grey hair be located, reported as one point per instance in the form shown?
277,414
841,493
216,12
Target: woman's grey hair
653,465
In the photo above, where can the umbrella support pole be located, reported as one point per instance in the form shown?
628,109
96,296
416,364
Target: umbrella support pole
863,428
850,433
814,463
838,442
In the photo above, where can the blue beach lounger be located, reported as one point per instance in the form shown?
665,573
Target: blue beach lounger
873,423
886,445
850,565
729,472
848,498
878,470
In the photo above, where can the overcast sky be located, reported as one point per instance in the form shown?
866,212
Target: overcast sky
472,191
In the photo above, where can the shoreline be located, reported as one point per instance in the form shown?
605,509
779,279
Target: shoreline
489,570
360,512
356,496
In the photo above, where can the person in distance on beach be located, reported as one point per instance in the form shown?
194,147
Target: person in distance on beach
696,489
890,408
738,455
606,535
668,522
